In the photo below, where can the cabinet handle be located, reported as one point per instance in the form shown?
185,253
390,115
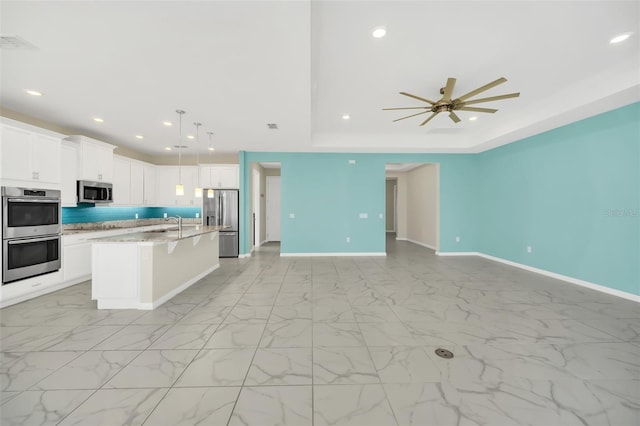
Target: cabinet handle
100,176
36,285
35,175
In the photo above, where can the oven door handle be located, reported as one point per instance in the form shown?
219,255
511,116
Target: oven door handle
31,240
34,200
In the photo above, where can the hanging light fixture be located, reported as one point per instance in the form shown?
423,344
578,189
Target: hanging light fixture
198,187
210,191
179,185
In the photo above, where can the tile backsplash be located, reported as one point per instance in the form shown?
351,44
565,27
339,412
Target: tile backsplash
89,213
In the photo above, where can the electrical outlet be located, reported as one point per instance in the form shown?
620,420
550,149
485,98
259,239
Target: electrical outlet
364,215
348,239
457,239
136,215
528,249
380,216
352,161
197,215
292,215
165,215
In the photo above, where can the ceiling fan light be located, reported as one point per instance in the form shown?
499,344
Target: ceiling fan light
474,118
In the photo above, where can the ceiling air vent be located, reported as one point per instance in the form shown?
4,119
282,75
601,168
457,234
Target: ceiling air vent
14,42
180,146
272,126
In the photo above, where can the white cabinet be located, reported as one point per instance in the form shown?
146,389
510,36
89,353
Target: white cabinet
76,262
29,156
69,174
121,181
219,176
95,159
166,179
136,194
149,177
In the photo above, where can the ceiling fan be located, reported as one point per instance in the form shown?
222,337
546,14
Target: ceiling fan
446,104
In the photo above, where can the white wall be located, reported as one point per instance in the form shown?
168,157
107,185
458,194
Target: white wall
422,206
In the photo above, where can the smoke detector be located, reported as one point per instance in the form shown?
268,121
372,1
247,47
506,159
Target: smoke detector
272,126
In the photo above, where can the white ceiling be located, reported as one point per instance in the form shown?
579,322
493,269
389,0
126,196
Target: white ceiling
237,65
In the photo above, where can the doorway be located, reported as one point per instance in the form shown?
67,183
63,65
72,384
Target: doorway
273,208
413,196
256,207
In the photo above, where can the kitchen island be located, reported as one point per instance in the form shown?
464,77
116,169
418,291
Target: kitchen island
142,270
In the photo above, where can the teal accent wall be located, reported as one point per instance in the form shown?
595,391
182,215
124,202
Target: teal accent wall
573,195
327,194
85,213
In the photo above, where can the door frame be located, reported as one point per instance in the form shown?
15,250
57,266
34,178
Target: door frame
269,214
256,207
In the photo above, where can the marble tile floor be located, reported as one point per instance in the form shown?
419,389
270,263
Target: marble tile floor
330,341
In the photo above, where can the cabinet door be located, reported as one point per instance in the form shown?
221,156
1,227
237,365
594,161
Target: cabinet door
46,158
137,183
16,154
69,176
121,181
97,162
149,173
166,180
228,177
189,179
76,261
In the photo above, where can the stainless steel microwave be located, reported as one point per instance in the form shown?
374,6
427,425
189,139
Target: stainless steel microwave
95,192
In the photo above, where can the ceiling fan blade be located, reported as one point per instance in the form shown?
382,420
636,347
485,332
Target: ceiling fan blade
492,98
413,115
418,98
390,109
474,109
448,89
454,117
427,120
481,89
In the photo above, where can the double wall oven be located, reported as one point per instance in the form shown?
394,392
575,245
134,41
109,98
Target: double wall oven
31,232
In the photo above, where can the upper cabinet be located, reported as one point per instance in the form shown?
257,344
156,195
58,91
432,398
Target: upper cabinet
166,179
223,176
95,159
128,181
149,178
30,156
69,177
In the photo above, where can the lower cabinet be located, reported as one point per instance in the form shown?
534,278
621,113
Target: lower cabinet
76,262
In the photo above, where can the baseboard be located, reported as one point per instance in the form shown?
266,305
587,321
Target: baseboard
263,242
177,290
566,278
401,239
457,253
340,254
242,256
391,231
421,244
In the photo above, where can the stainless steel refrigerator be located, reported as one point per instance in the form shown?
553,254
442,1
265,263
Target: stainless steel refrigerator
222,210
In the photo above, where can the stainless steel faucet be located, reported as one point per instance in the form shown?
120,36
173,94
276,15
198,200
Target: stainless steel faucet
178,220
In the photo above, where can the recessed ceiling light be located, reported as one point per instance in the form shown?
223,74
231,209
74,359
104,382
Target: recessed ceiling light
474,118
346,117
167,123
379,32
139,137
33,92
211,148
167,148
190,137
620,38
98,120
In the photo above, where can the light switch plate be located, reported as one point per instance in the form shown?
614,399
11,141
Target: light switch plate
292,215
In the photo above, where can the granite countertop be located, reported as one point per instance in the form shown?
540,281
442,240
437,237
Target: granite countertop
160,235
123,225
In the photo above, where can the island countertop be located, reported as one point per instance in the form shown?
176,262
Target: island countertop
159,236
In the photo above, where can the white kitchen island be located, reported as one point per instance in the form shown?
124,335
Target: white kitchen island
143,270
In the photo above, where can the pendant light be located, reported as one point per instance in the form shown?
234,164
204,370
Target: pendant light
198,192
210,191
179,185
